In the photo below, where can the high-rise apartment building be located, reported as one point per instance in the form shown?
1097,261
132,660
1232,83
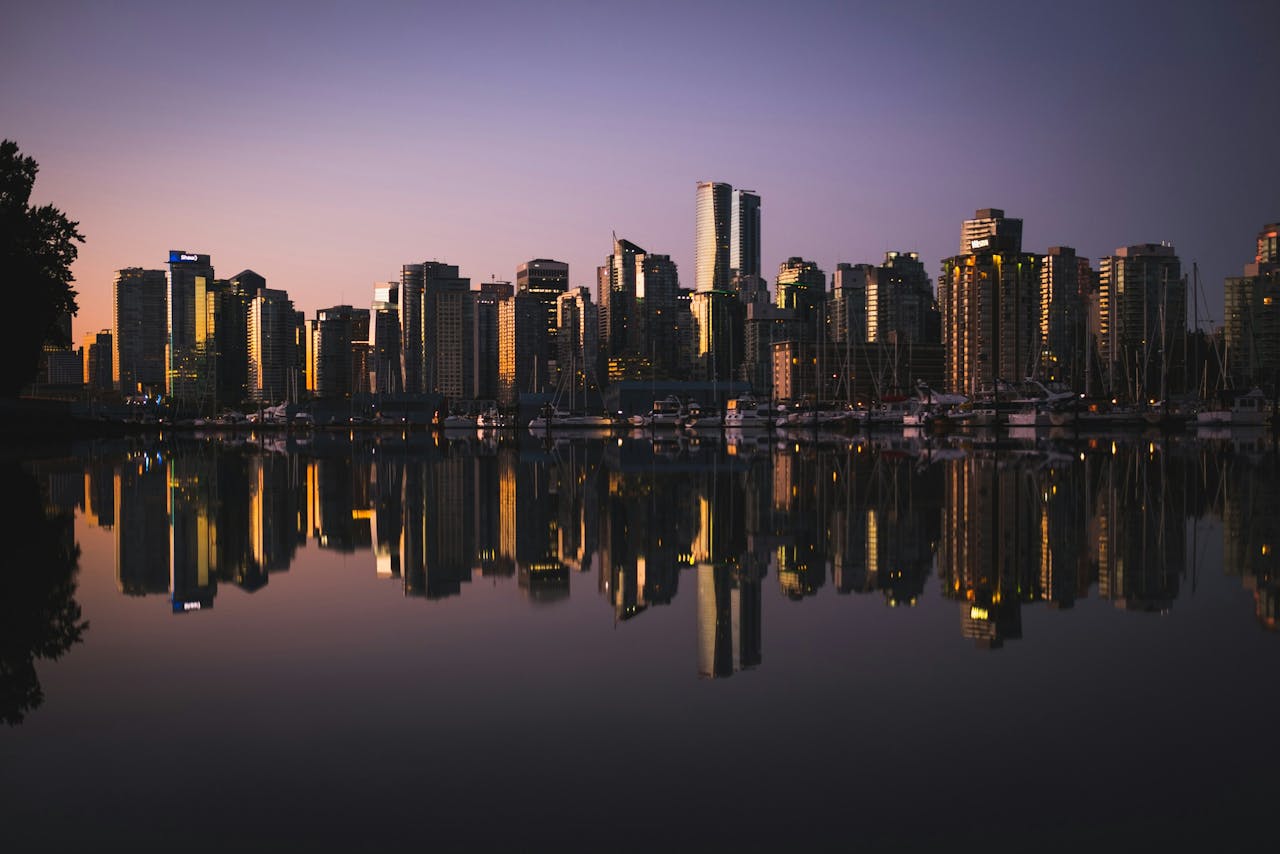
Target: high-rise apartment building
435,330
621,350
900,306
337,351
1251,321
384,339
801,287
990,306
714,218
97,360
744,234
1141,320
1066,280
485,338
847,307
547,280
139,330
522,362
273,347
576,331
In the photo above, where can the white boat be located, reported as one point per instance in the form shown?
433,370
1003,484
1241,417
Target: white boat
747,413
558,419
666,414
459,421
1247,410
492,419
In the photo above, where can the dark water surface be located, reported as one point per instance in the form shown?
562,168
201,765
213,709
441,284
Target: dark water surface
618,643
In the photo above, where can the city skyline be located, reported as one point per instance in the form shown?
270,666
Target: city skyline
299,170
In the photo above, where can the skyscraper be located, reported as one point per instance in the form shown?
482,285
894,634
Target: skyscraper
1066,281
711,267
272,347
576,330
485,339
900,306
447,321
1252,317
546,279
616,289
384,339
1142,321
97,360
413,357
187,271
989,297
138,330
744,234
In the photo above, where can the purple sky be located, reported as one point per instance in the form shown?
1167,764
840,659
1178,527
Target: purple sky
324,145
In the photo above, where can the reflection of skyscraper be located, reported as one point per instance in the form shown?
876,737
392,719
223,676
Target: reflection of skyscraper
1138,529
141,538
1251,532
989,548
192,535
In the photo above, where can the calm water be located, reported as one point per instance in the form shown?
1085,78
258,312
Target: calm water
616,643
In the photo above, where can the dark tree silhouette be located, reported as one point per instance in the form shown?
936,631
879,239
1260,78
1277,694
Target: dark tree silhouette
37,248
39,616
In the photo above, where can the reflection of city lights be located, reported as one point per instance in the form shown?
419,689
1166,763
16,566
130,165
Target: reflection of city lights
1113,449
1266,550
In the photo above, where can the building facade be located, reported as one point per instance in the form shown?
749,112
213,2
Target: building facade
139,330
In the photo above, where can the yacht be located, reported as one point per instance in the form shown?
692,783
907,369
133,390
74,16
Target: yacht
558,419
667,413
492,419
1247,410
748,413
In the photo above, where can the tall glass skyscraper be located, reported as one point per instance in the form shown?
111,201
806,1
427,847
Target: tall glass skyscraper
744,234
711,268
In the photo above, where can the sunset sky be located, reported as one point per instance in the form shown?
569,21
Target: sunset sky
323,145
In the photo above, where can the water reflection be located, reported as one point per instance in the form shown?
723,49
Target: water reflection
1000,527
39,616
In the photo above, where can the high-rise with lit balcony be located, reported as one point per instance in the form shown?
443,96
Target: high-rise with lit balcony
989,297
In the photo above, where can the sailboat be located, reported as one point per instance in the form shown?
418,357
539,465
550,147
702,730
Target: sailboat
552,415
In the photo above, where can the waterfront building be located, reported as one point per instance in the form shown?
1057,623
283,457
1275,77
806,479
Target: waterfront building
273,347
576,330
138,330
1141,318
190,274
899,302
447,325
522,348
546,279
384,339
801,286
97,360
485,339
744,235
337,351
1066,281
718,321
1251,320
713,225
990,306
847,307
